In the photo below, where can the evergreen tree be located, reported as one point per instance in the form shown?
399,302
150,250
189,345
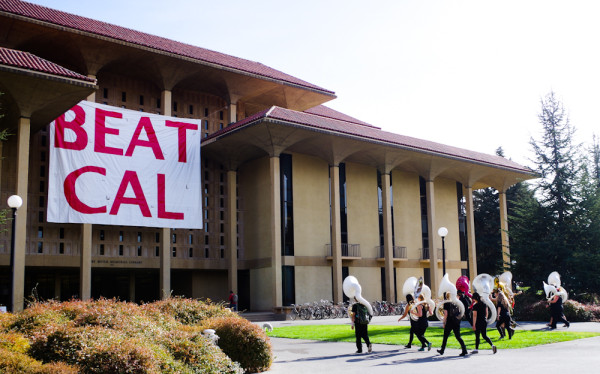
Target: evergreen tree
545,234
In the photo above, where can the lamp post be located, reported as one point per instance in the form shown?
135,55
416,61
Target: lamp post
442,231
14,202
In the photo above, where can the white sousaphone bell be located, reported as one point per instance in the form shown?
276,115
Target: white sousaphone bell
450,289
416,287
553,287
353,289
483,284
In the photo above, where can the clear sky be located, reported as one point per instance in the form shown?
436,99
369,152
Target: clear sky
468,73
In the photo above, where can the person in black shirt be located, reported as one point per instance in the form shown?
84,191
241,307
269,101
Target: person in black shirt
557,312
409,305
422,324
451,324
466,301
480,314
360,327
503,320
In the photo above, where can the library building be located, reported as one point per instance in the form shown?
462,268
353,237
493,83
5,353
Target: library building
138,167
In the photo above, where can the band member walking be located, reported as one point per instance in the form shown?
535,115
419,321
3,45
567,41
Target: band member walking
361,318
451,324
503,319
557,312
480,315
422,323
409,306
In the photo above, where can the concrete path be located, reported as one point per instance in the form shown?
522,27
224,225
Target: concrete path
303,356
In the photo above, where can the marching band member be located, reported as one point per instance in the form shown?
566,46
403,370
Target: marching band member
413,323
422,323
503,321
451,324
480,315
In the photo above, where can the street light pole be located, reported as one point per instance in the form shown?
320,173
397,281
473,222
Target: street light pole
443,232
14,202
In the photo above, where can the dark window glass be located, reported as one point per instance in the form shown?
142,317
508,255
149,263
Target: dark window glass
343,204
174,106
41,217
42,186
121,250
40,232
205,112
221,115
105,93
191,252
43,140
173,238
288,288
42,171
139,250
141,99
157,251
40,247
43,156
120,236
61,233
101,234
157,237
101,249
191,109
123,96
61,248
287,206
41,202
139,237
424,225
174,252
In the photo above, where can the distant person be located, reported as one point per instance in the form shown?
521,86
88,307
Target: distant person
480,315
557,312
409,305
233,301
360,319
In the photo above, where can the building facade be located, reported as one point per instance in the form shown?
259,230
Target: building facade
296,196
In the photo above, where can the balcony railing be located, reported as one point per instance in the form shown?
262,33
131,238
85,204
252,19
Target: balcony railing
425,253
348,250
399,252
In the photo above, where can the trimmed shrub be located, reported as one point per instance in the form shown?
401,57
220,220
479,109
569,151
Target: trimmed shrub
244,342
190,311
532,307
16,362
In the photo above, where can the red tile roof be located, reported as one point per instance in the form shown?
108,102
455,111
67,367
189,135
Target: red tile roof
25,60
104,29
323,111
370,133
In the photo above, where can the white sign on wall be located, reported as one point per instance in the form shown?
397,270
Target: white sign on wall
113,166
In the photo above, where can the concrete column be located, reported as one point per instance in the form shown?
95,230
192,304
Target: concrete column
85,260
165,263
336,234
231,236
20,234
232,113
504,230
165,235
85,263
92,96
471,233
436,276
388,246
277,296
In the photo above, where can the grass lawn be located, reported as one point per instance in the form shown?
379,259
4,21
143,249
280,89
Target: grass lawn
398,335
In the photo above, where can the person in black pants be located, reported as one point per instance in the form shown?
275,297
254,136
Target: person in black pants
360,327
480,314
422,324
451,323
557,312
503,320
409,305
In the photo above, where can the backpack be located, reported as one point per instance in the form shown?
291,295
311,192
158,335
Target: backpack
362,315
235,298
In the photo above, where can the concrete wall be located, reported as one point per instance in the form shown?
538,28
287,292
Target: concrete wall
311,206
313,283
407,212
363,210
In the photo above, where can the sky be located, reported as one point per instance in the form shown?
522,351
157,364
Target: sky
467,73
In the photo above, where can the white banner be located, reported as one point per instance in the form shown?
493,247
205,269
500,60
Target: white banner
113,166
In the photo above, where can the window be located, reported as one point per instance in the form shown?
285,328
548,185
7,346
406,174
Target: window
41,217
174,252
157,251
221,115
174,106
61,248
206,239
191,109
101,234
61,233
40,247
123,96
101,249
157,237
173,238
139,251
190,239
40,232
105,93
139,237
191,252
43,156
141,99
42,171
43,140
120,236
206,113
158,103
121,250
42,186
206,125
206,252
220,125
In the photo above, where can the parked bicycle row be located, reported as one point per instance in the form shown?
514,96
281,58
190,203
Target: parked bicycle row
327,309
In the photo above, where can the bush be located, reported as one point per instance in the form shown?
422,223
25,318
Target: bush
109,336
532,307
244,342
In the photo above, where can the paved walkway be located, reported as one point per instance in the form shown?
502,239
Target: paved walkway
304,356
